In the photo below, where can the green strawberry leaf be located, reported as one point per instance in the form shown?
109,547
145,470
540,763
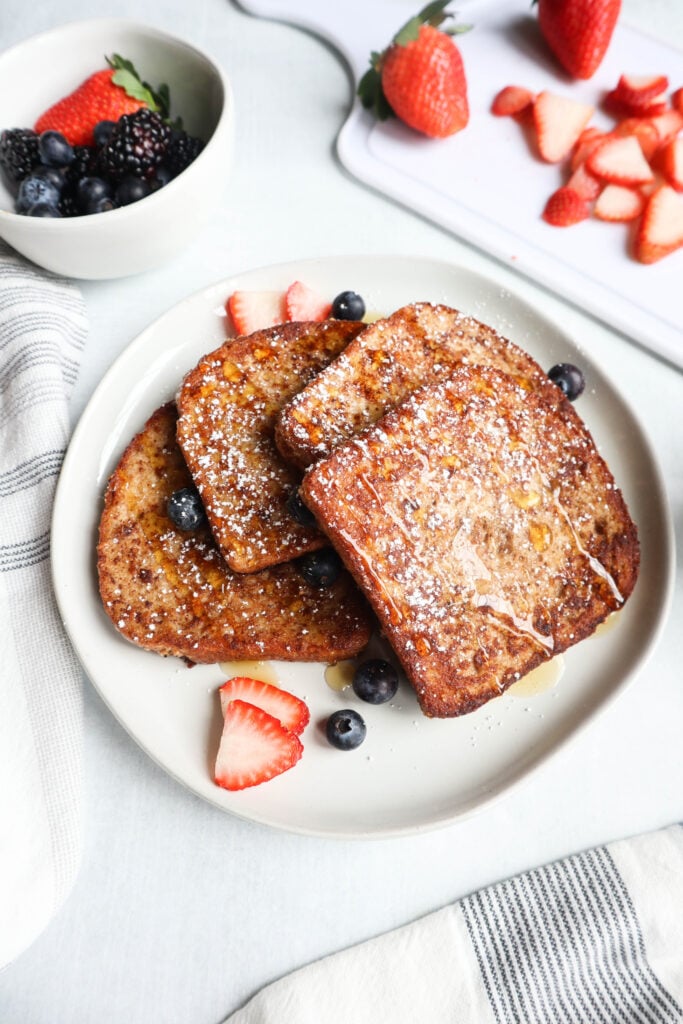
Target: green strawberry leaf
371,92
126,76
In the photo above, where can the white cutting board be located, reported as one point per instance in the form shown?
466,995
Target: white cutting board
485,184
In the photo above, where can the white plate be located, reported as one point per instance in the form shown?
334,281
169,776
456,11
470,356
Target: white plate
411,774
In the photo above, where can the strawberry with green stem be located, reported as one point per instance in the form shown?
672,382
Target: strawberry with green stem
105,95
420,77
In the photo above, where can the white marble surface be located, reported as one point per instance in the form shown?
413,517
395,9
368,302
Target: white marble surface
180,912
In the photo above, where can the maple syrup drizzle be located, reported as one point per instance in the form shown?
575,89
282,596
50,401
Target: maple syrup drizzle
541,679
261,670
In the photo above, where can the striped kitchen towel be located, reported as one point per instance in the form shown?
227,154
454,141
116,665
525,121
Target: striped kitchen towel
596,938
43,329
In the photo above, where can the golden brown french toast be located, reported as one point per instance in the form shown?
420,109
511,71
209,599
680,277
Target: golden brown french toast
227,410
485,529
380,368
170,591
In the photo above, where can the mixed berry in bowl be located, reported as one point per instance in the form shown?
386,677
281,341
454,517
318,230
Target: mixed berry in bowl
108,144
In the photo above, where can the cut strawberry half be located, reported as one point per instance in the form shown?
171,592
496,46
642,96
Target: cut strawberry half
583,182
253,311
620,161
660,231
641,90
617,106
559,122
643,130
677,100
566,207
617,203
289,710
254,747
668,125
302,303
671,163
511,100
589,139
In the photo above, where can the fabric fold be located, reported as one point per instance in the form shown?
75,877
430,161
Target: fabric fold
43,329
596,938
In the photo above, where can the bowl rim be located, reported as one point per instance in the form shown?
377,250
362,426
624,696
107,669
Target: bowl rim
225,116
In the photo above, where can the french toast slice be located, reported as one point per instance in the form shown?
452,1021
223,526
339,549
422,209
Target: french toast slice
485,529
170,591
380,368
227,410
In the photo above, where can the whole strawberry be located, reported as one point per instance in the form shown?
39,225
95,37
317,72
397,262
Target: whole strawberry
578,31
105,96
420,77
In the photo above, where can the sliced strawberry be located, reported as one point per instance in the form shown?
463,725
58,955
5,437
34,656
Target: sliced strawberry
254,747
253,311
302,303
559,122
677,100
668,125
641,90
671,163
288,709
589,139
660,231
643,130
617,203
620,161
511,100
583,182
617,106
565,207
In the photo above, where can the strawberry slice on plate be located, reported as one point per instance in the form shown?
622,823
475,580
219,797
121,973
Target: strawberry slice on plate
511,100
660,231
617,203
566,207
672,163
254,747
620,161
254,311
289,710
559,121
303,303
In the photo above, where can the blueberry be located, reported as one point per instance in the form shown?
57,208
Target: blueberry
298,511
54,150
102,205
43,209
90,191
55,175
185,509
569,379
345,729
131,190
348,306
35,190
320,568
162,176
375,681
102,132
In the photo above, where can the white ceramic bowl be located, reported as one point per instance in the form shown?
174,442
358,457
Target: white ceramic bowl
34,74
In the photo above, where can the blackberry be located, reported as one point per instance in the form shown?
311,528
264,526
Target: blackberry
18,155
182,150
137,145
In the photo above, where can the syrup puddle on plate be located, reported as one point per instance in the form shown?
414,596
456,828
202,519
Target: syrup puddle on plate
541,679
340,675
262,670
608,625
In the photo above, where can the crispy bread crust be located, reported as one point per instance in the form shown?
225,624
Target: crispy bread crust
380,368
228,406
485,529
169,591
